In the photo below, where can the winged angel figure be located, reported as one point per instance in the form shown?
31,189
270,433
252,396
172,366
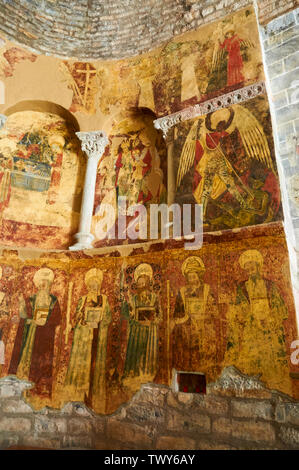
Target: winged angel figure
214,173
227,60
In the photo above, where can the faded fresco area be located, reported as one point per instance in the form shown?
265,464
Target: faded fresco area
191,68
94,329
133,166
225,161
218,58
40,180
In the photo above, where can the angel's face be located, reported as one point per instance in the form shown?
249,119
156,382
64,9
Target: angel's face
256,183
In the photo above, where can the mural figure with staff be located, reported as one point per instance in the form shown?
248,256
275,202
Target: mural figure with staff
40,317
85,377
143,311
194,322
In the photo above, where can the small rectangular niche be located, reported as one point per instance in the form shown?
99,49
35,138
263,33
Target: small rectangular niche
190,382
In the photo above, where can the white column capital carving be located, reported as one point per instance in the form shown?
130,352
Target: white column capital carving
201,109
93,143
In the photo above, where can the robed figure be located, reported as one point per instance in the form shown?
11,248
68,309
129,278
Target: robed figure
85,377
256,338
33,353
194,323
144,314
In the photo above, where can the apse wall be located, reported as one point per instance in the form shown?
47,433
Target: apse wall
83,331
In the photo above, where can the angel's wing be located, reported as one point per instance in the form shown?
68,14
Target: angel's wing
188,153
252,135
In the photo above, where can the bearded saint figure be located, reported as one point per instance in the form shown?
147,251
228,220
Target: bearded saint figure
85,377
256,339
194,323
40,317
144,314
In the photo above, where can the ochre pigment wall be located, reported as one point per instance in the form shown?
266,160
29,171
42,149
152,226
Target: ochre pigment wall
142,302
92,327
123,98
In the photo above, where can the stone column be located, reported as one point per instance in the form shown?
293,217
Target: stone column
93,144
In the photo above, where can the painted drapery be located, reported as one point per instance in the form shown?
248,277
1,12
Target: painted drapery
129,320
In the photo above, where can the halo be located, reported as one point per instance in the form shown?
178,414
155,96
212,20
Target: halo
94,273
43,274
251,255
143,269
193,263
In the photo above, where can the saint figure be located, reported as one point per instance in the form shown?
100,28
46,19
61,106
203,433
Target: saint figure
256,339
144,314
33,353
194,321
85,377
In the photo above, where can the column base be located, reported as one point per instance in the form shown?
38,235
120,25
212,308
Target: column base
83,243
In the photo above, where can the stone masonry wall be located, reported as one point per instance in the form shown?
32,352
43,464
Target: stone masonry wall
280,40
94,29
237,413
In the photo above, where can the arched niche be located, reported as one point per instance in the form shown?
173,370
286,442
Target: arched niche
134,166
41,176
45,107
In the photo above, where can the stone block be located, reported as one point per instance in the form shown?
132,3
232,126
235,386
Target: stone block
222,426
7,441
291,62
188,421
151,394
77,426
280,99
40,442
253,431
205,444
15,406
280,24
290,436
276,69
15,424
128,433
287,113
211,404
282,51
141,413
175,443
287,412
185,398
77,442
284,131
52,425
99,425
252,409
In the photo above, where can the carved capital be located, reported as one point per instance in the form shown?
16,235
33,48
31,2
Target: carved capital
167,122
93,143
224,101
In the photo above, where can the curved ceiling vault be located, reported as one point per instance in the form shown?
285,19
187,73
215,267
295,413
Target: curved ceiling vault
92,29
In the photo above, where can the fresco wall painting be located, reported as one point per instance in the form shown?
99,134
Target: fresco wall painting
94,329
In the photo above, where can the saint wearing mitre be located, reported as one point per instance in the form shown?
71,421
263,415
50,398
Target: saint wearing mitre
194,321
256,337
40,317
85,377
144,314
